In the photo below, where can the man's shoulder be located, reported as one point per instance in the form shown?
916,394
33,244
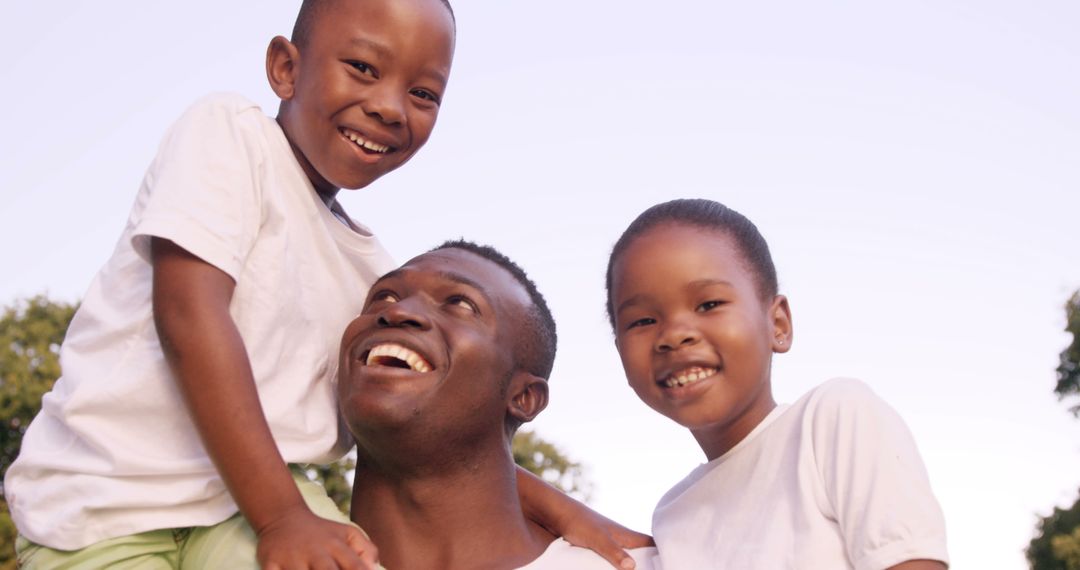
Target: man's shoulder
561,555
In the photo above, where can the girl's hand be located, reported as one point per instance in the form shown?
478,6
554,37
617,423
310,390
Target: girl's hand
577,524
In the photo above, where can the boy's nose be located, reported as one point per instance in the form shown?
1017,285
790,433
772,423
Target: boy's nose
386,104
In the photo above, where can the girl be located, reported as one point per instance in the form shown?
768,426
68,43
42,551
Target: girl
831,481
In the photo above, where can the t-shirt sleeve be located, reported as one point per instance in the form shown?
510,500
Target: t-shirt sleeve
201,190
874,479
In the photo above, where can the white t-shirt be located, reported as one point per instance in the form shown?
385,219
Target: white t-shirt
113,451
561,555
831,481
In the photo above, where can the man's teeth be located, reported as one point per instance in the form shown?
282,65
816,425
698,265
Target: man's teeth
379,355
360,141
688,376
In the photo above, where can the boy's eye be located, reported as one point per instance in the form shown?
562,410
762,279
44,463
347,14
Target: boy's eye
425,95
464,302
709,305
362,68
643,322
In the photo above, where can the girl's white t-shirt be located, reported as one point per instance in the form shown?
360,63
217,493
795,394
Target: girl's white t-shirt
832,481
113,451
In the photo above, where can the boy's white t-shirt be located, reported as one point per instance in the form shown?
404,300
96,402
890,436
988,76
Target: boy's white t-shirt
832,481
113,451
561,555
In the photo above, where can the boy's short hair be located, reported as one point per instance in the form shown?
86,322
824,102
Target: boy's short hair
708,215
311,9
534,349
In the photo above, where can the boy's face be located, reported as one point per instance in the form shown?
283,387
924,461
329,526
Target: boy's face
433,349
365,87
694,336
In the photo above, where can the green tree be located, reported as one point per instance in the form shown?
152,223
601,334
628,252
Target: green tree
1056,545
543,459
31,331
1068,372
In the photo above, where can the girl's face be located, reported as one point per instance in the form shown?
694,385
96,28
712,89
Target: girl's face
695,338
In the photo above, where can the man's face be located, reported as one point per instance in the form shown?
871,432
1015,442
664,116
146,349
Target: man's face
433,347
368,85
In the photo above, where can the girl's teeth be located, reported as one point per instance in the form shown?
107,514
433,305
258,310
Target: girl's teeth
689,376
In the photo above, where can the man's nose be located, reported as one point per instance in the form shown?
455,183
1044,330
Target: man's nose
404,313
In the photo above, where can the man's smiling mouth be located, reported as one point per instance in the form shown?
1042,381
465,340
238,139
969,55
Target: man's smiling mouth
365,144
687,376
396,356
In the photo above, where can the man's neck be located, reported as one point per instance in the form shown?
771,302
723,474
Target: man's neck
464,518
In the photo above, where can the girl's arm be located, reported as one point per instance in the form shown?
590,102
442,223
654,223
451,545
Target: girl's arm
578,524
206,353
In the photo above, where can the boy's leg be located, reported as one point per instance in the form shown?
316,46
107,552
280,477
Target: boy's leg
154,550
231,543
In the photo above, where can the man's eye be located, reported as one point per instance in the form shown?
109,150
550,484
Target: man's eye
385,296
462,301
644,322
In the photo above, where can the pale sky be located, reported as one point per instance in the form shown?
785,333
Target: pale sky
914,167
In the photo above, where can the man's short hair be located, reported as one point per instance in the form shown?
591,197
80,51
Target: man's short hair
534,347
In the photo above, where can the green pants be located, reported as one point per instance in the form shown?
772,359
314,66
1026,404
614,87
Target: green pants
229,544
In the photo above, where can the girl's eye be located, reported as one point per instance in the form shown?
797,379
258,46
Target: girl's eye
425,95
362,68
709,305
643,322
462,301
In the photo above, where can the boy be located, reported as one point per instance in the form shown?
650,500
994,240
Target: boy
228,290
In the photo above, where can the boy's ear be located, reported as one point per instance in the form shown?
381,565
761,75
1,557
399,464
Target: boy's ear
527,396
783,333
282,65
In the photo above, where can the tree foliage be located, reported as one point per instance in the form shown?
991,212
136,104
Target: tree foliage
543,459
1068,371
30,335
1056,545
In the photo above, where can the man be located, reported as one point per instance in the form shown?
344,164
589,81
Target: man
449,356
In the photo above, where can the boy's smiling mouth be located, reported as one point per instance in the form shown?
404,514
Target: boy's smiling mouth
687,376
365,144
395,355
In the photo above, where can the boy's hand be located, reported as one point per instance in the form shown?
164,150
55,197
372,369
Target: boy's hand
301,541
577,524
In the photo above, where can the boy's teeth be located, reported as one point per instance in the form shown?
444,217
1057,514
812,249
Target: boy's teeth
688,376
380,353
372,146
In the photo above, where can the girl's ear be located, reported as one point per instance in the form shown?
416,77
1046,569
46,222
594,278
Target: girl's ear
282,64
782,332
527,396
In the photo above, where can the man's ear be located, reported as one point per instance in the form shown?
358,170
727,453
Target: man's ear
282,65
527,396
782,331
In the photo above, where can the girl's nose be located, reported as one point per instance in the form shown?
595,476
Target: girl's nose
676,336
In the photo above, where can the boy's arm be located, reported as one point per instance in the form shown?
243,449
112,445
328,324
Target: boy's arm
206,353
578,524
